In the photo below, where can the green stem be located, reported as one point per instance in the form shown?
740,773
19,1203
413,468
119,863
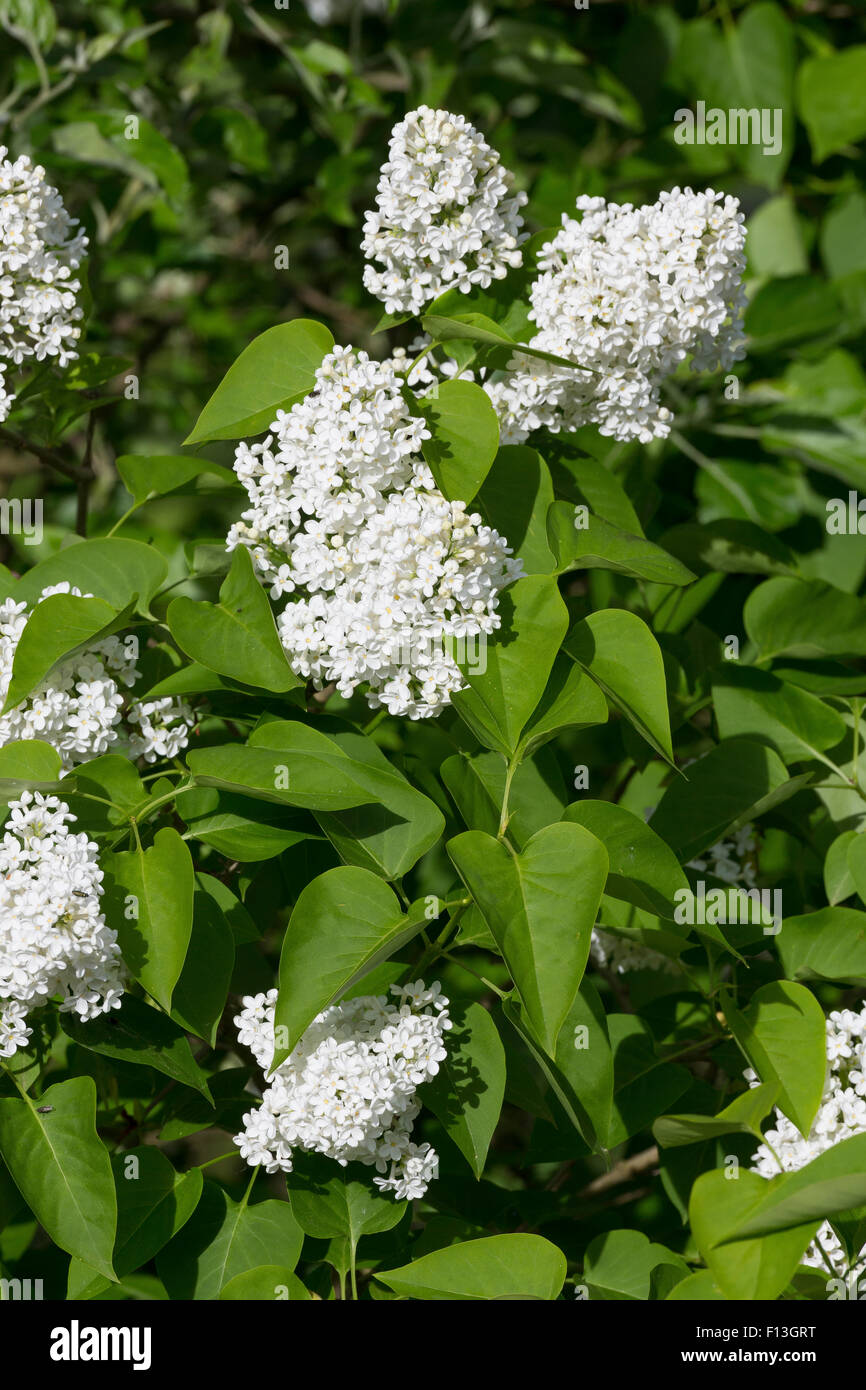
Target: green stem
856,710
434,949
233,1153
420,358
488,983
375,721
126,515
246,1196
148,807
510,769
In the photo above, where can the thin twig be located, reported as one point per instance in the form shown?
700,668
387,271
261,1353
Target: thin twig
50,457
85,478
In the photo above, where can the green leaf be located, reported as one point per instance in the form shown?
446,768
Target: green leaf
142,1035
783,1035
730,547
108,568
148,897
698,1288
478,328
477,785
643,869
240,827
831,99
805,618
27,763
189,1114
59,627
494,1268
618,1266
540,906
267,1282
742,1116
825,945
501,698
464,431
726,787
148,158
504,301
645,1085
857,864
571,700
838,878
756,704
153,1202
273,373
785,311
146,476
189,680
762,50
832,1183
599,545
466,1096
584,1060
115,780
223,1239
158,162
580,478
394,827
339,1205
238,636
514,499
747,1269
344,923
199,996
62,1169
35,17
559,1086
623,657
313,774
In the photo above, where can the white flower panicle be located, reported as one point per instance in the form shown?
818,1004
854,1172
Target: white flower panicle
629,293
380,569
39,250
53,936
348,1090
841,1116
446,215
733,861
79,707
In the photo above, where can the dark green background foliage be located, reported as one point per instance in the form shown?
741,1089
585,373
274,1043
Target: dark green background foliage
239,208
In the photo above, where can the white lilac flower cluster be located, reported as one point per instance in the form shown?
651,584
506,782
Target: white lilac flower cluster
381,570
39,250
446,215
348,1090
79,707
733,861
53,936
628,293
841,1116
